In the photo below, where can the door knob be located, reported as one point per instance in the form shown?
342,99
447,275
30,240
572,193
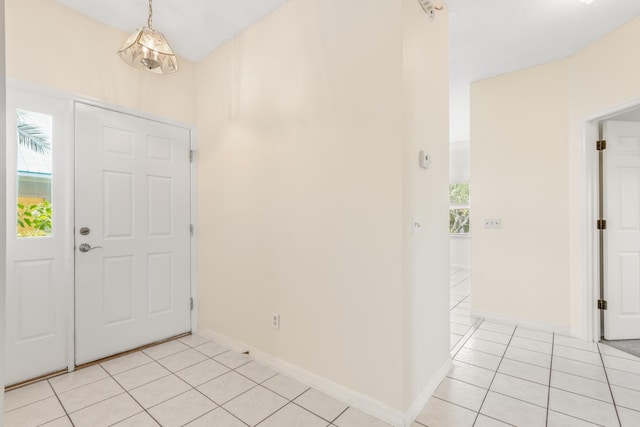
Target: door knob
85,247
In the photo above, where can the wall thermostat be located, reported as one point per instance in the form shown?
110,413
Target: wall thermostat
425,160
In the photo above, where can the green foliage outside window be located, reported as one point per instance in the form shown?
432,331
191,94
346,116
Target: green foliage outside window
459,211
34,220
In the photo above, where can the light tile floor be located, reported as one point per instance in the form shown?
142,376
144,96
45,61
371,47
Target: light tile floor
507,375
502,375
188,382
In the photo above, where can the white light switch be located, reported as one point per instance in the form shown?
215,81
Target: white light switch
425,160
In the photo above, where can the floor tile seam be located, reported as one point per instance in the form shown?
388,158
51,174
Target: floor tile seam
500,421
339,415
249,378
576,348
133,398
553,340
613,399
622,371
532,339
229,400
76,387
60,403
579,376
155,405
523,379
466,382
172,354
129,369
466,337
581,394
148,382
459,404
517,398
528,363
461,324
232,368
93,404
273,413
520,378
625,387
56,419
181,369
491,341
482,351
493,379
131,416
530,349
212,356
224,409
30,403
574,417
580,361
310,411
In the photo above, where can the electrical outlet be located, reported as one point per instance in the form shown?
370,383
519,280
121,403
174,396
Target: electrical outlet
275,320
493,223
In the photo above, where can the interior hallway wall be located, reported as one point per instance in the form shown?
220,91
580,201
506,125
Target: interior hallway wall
426,256
55,47
527,136
308,172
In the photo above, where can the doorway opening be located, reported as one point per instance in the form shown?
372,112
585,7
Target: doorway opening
613,228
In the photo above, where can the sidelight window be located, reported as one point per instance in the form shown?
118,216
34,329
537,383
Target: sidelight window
34,169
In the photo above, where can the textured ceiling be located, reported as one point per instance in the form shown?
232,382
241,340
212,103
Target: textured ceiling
488,37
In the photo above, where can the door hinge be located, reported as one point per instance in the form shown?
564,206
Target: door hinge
602,224
602,304
192,154
191,303
601,145
191,229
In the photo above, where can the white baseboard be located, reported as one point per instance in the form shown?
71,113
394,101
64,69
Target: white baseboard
427,392
351,397
528,324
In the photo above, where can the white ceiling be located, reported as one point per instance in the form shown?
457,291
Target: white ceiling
492,37
487,37
194,28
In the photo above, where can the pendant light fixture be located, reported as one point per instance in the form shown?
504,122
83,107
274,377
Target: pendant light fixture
149,50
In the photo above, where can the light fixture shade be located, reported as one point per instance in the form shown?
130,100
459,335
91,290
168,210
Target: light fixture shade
149,50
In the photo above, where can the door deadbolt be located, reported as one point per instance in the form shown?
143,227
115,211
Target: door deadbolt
85,231
85,247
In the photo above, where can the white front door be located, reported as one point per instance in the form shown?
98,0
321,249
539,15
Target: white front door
39,236
132,233
622,212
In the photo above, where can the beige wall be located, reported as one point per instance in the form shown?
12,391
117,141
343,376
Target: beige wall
52,46
426,256
305,193
526,166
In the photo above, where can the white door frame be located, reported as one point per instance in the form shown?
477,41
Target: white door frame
72,99
590,244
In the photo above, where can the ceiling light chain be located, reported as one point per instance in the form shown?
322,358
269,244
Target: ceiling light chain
150,20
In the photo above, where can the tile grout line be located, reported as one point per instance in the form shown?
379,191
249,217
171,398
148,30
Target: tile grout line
129,394
553,340
55,393
613,399
495,374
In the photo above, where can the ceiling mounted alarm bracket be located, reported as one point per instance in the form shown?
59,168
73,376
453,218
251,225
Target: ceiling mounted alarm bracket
429,8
